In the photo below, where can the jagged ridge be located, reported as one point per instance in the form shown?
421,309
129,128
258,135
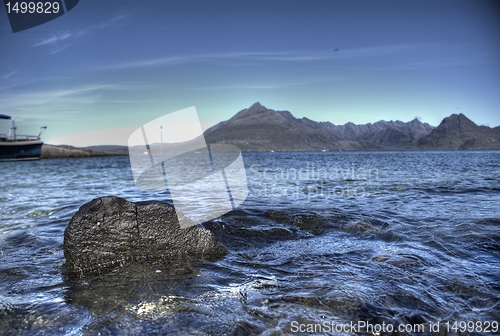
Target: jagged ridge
260,128
459,132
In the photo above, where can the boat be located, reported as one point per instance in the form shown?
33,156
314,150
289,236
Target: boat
15,146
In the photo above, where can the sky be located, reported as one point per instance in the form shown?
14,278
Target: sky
97,73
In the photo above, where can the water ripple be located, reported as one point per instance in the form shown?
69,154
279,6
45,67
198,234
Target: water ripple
416,242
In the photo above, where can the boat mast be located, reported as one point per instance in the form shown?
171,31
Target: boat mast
40,131
13,129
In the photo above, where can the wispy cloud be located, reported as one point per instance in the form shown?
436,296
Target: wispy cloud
310,81
433,60
348,53
57,38
59,41
26,82
383,50
10,74
458,60
57,102
266,57
175,60
248,87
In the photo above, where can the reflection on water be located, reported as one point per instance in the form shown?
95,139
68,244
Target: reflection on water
392,237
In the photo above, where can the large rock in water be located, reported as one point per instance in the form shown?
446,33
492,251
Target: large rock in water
110,231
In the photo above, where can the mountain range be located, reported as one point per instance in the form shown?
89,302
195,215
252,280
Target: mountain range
258,128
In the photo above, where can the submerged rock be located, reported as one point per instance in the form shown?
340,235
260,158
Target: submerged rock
110,231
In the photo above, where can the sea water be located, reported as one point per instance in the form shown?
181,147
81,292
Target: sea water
325,242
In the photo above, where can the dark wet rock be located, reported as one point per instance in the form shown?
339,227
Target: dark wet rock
110,231
313,223
360,226
278,216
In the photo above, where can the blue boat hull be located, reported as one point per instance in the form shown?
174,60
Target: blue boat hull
20,150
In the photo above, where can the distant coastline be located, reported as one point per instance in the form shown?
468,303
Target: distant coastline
64,151
259,129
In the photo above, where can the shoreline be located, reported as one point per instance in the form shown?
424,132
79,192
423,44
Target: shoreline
65,151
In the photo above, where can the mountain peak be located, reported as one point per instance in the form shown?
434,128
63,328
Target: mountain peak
261,128
250,112
458,120
256,105
459,132
462,117
457,116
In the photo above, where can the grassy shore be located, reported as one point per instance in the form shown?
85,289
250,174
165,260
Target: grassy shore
63,151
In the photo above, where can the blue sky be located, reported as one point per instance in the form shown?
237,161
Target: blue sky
107,67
